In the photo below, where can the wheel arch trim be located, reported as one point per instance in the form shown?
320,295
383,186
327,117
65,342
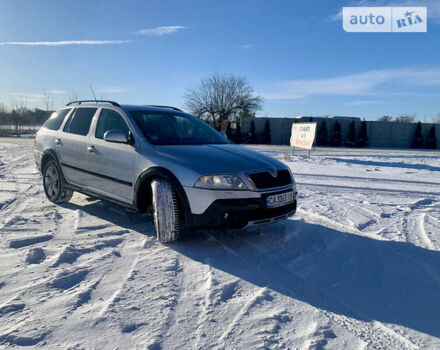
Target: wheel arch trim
49,152
160,172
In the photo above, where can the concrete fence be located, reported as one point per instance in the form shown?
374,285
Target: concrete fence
380,134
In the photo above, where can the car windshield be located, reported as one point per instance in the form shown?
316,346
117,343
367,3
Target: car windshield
165,128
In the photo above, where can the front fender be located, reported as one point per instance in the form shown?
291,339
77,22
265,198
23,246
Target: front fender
148,175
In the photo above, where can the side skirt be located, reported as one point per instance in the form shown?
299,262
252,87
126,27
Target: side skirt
100,196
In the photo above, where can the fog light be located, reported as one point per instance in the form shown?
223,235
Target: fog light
226,216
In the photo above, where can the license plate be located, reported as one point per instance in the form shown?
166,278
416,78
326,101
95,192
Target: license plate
279,200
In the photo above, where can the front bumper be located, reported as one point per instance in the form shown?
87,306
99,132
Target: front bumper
236,213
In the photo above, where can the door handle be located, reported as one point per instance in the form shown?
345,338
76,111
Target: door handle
91,149
58,142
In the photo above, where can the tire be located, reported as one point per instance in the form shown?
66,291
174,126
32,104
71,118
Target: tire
166,214
54,185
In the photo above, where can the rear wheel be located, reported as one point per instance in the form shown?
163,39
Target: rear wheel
165,211
53,184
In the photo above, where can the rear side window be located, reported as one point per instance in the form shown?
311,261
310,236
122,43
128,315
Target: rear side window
80,123
69,120
56,119
110,120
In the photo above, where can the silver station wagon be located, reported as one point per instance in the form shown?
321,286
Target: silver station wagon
159,160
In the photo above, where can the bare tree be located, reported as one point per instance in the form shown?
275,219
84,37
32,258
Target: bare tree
73,96
385,118
23,113
221,97
3,114
48,101
17,113
3,109
406,118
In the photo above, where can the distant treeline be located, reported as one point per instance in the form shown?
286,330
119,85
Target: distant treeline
21,120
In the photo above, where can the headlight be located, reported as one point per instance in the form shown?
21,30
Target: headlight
220,182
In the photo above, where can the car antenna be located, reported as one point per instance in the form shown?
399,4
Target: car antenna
93,93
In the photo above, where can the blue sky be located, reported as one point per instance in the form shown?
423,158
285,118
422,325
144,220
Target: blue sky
294,53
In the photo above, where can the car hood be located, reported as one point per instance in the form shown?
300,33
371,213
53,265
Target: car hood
218,159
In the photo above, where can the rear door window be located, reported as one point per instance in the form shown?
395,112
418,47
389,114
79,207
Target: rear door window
79,124
56,119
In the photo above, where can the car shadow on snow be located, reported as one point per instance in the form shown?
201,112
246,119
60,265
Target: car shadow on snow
347,274
114,214
360,277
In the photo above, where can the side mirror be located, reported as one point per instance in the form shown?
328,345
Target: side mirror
116,136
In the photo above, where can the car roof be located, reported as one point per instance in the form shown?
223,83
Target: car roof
151,108
124,107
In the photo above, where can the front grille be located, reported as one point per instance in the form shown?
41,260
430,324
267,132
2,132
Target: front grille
265,180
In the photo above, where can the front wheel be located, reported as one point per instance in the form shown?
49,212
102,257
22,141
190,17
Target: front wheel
165,210
53,184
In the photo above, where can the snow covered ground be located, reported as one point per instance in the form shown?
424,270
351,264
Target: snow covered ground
357,267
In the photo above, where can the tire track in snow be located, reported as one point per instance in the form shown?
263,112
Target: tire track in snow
109,302
422,233
207,302
171,325
365,190
367,179
261,294
215,295
413,228
149,297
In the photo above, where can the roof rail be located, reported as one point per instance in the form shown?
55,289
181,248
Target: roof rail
95,101
170,107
